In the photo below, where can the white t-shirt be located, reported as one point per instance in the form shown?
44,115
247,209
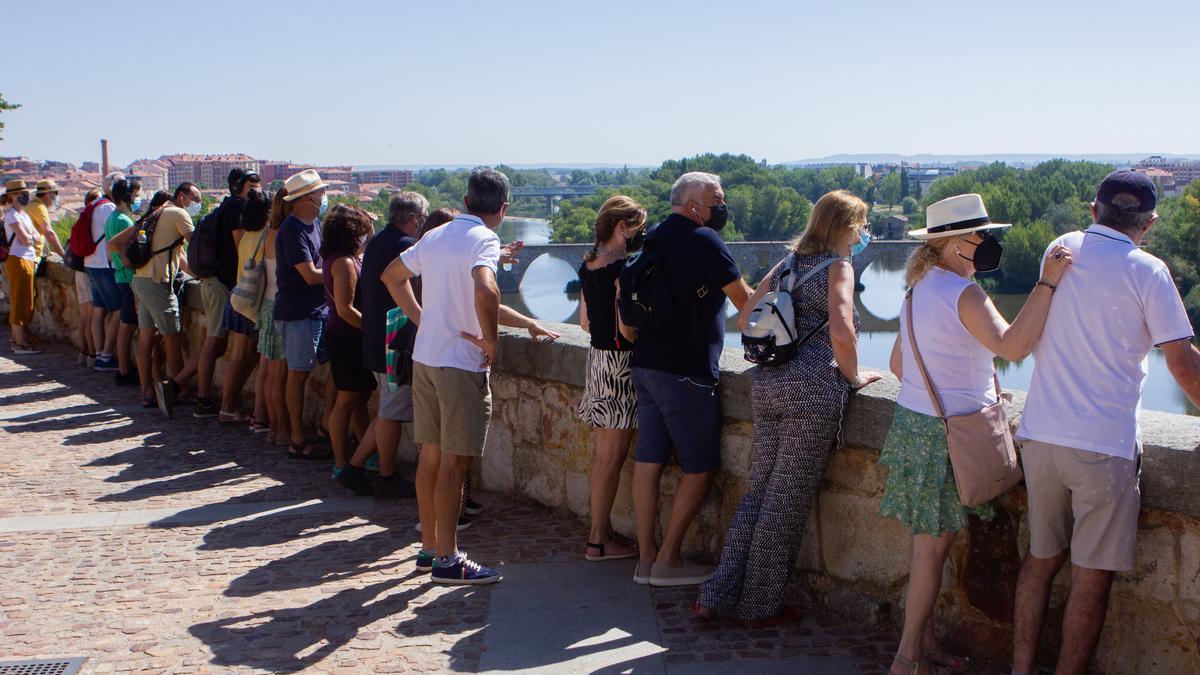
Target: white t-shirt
15,220
1114,303
960,366
99,258
444,259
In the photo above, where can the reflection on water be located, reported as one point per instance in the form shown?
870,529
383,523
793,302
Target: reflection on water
542,295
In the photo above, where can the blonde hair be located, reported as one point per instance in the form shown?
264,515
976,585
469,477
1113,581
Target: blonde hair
834,214
924,258
615,209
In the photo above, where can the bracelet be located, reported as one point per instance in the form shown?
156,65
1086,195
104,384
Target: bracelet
857,382
1047,284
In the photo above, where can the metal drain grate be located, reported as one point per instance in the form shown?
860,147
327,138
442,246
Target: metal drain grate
63,666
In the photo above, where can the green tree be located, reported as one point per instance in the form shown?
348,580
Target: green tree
1022,261
5,105
889,189
910,206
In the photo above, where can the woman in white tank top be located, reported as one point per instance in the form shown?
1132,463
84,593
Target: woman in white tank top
958,332
274,382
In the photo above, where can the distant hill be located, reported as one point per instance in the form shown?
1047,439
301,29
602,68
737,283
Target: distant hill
1014,159
451,167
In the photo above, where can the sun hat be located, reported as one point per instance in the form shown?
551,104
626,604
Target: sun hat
46,185
955,216
303,183
15,185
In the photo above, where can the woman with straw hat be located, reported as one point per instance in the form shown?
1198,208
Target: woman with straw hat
23,242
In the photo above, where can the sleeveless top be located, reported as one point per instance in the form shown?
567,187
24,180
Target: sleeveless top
959,365
814,366
269,290
334,322
599,289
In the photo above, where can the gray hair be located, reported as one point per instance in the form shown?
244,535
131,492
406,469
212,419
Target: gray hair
687,184
405,204
487,191
111,178
1123,214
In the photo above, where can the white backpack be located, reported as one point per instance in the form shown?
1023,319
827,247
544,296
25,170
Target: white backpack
770,337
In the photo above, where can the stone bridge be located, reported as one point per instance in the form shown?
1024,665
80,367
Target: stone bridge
753,258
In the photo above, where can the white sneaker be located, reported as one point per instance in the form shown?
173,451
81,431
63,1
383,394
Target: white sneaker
687,574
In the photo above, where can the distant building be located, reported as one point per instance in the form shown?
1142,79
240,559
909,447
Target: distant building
1182,172
154,173
271,171
894,227
207,171
395,177
90,167
919,180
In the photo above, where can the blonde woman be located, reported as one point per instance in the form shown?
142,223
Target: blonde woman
23,240
798,408
609,404
958,332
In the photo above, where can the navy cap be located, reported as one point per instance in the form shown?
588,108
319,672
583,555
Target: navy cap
1130,182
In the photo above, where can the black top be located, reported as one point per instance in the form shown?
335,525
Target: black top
698,265
229,218
376,300
599,288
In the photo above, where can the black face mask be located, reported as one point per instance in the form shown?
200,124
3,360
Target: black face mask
718,216
987,254
23,199
634,244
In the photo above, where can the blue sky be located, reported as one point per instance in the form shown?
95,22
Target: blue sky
598,82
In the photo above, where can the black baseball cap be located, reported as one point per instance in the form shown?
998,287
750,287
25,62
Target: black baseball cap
1130,182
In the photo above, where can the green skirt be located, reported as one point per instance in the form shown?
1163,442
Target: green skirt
920,489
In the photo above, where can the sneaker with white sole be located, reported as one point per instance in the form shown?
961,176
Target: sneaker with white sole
105,364
463,572
425,561
463,523
641,573
687,574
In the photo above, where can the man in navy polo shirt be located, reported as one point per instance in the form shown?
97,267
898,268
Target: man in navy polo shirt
675,374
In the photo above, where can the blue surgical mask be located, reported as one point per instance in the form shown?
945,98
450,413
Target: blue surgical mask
136,205
324,204
859,246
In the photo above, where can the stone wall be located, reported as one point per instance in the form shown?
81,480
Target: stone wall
852,559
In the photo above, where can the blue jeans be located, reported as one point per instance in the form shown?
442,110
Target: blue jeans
301,341
104,288
680,411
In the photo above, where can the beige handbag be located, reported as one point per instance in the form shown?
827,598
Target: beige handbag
980,443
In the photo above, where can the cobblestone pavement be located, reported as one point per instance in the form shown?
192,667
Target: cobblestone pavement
247,574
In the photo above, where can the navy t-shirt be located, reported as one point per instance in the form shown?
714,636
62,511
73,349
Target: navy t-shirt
698,265
297,299
376,300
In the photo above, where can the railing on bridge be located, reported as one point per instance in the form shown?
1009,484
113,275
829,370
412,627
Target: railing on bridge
552,192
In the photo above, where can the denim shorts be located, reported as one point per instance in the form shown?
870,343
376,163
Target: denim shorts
301,341
129,315
681,412
104,288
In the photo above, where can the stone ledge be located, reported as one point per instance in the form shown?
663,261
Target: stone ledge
1170,463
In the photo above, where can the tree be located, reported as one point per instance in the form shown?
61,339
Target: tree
889,189
910,206
5,105
1022,261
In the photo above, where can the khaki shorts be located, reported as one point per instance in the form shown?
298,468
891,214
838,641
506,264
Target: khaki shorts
452,408
158,307
214,295
1084,500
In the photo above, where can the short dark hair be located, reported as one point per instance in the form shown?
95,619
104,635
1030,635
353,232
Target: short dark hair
237,175
1123,215
487,191
185,188
255,212
123,188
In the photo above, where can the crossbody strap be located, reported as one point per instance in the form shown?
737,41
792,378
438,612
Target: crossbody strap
787,285
912,341
261,236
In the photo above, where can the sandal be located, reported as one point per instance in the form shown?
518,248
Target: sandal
944,659
786,615
703,613
259,426
314,452
607,556
231,418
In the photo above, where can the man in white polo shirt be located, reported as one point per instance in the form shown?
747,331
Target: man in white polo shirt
1081,450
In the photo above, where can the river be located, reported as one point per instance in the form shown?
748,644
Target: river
543,296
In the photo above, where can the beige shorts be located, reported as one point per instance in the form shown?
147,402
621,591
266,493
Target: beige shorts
214,295
452,408
1084,500
83,288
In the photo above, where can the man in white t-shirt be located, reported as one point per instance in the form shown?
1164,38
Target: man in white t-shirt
1081,449
106,297
456,344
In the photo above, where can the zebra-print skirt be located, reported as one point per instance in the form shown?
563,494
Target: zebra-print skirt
608,399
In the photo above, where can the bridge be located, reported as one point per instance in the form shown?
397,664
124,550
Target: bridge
753,258
552,192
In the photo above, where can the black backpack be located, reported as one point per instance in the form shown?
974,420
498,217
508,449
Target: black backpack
646,302
138,250
204,249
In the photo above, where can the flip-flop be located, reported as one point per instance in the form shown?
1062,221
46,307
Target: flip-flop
313,455
943,659
606,556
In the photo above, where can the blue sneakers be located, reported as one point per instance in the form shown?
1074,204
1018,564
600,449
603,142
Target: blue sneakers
105,364
464,572
424,561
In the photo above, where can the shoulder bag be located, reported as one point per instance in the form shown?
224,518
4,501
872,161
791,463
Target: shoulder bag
247,295
980,444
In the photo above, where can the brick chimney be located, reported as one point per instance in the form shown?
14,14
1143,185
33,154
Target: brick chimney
103,156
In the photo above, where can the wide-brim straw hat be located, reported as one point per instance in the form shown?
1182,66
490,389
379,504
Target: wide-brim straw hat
955,216
303,183
46,185
15,185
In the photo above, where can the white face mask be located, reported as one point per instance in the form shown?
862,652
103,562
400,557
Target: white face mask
56,205
193,209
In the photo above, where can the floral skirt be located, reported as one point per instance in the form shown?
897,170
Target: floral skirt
920,489
269,343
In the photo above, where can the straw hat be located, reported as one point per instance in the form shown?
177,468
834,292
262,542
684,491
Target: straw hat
15,185
46,185
954,216
303,183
